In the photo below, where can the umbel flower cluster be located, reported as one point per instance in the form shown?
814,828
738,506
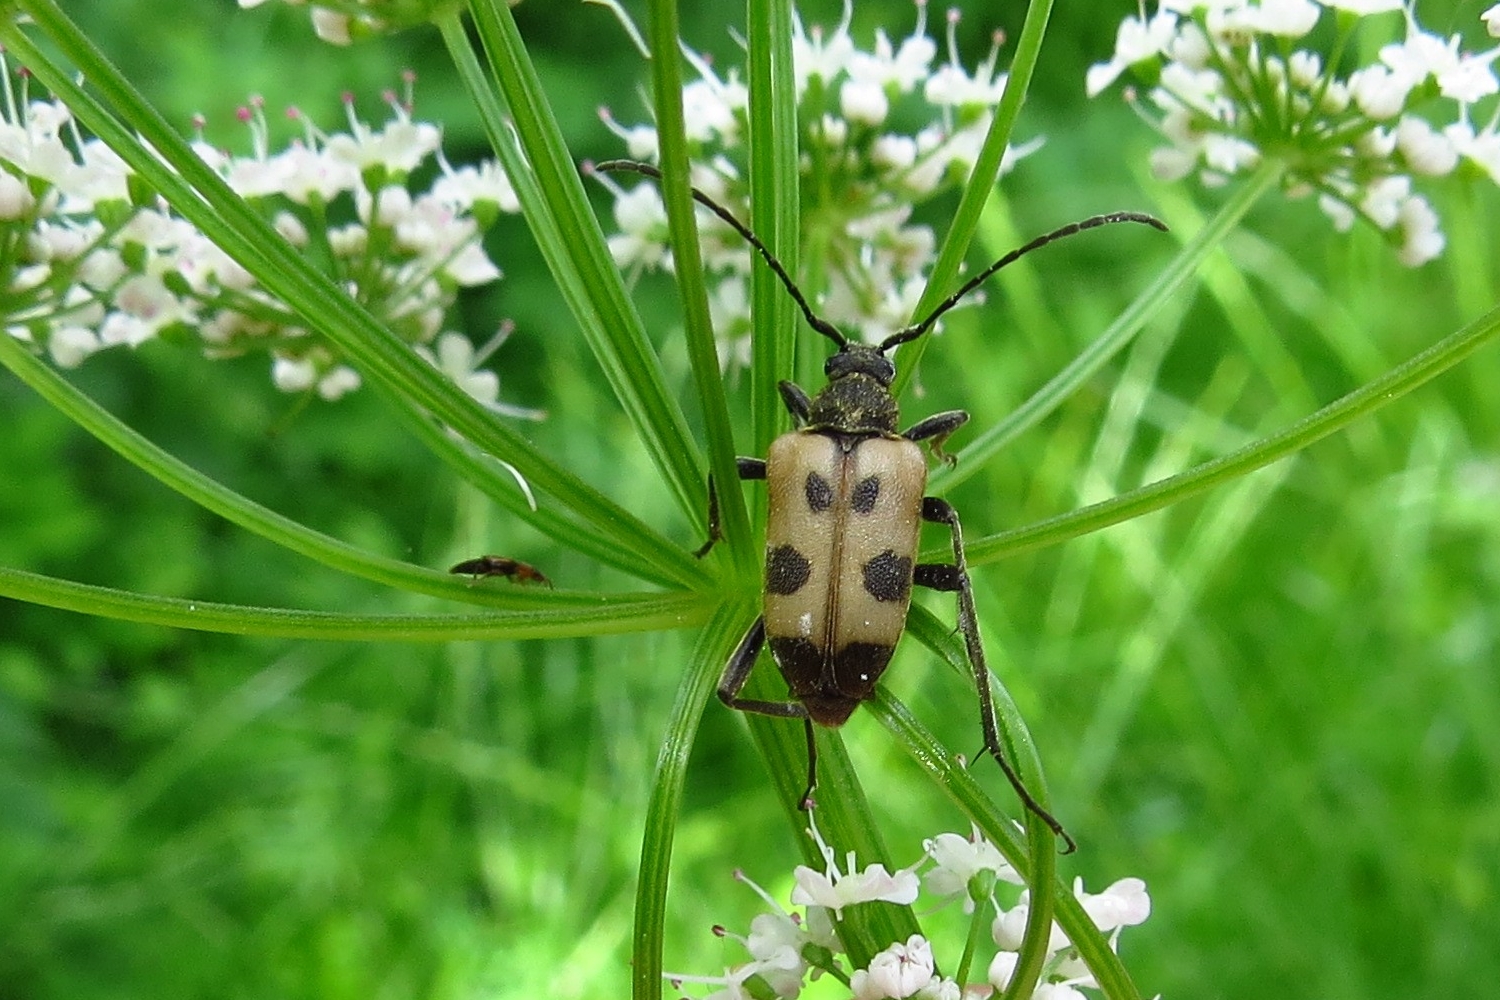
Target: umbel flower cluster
882,130
788,949
1233,82
93,261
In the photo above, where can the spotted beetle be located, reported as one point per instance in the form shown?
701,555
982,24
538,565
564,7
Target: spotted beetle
846,502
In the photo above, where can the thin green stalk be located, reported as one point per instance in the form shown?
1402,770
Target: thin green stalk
1114,339
709,654
982,179
620,613
687,257
214,496
775,212
1366,399
612,326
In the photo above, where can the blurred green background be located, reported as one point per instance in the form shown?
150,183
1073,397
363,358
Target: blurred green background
1278,704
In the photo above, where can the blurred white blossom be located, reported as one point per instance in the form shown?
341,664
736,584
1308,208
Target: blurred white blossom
1234,82
884,127
98,265
789,948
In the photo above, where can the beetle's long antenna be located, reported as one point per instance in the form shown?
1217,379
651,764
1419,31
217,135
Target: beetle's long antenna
824,327
917,329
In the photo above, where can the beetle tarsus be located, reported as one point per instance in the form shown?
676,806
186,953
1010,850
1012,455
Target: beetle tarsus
715,531
808,803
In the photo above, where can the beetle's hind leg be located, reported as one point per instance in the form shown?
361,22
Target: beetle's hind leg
955,578
749,468
732,682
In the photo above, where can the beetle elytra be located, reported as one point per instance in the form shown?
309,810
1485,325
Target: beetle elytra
845,506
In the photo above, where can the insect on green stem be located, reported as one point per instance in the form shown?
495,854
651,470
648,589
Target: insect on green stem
845,508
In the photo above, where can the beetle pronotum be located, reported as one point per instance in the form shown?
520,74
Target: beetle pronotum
845,506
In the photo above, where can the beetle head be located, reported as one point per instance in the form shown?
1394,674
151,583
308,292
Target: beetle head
861,359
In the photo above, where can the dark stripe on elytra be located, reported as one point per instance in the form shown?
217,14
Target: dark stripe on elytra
787,570
819,493
862,500
888,576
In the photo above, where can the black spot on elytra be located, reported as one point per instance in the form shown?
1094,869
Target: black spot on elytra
862,500
786,570
819,493
888,576
858,666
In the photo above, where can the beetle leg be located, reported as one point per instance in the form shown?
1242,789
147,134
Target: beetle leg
956,578
798,403
715,530
935,430
749,468
732,682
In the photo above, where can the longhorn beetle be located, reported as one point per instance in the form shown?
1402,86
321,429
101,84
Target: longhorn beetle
845,506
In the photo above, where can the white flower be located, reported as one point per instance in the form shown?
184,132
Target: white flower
70,345
642,219
895,973
1286,18
904,68
863,101
16,199
339,382
1379,92
1422,239
293,374
1482,148
1383,199
1057,991
835,891
1491,19
957,860
1124,904
1009,927
1425,150
1340,212
331,26
815,56
1137,39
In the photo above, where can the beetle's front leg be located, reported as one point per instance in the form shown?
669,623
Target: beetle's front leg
749,468
955,578
936,429
732,682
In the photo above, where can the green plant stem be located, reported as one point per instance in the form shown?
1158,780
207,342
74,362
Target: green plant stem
1065,383
687,257
774,213
608,319
614,614
212,495
709,654
1365,400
